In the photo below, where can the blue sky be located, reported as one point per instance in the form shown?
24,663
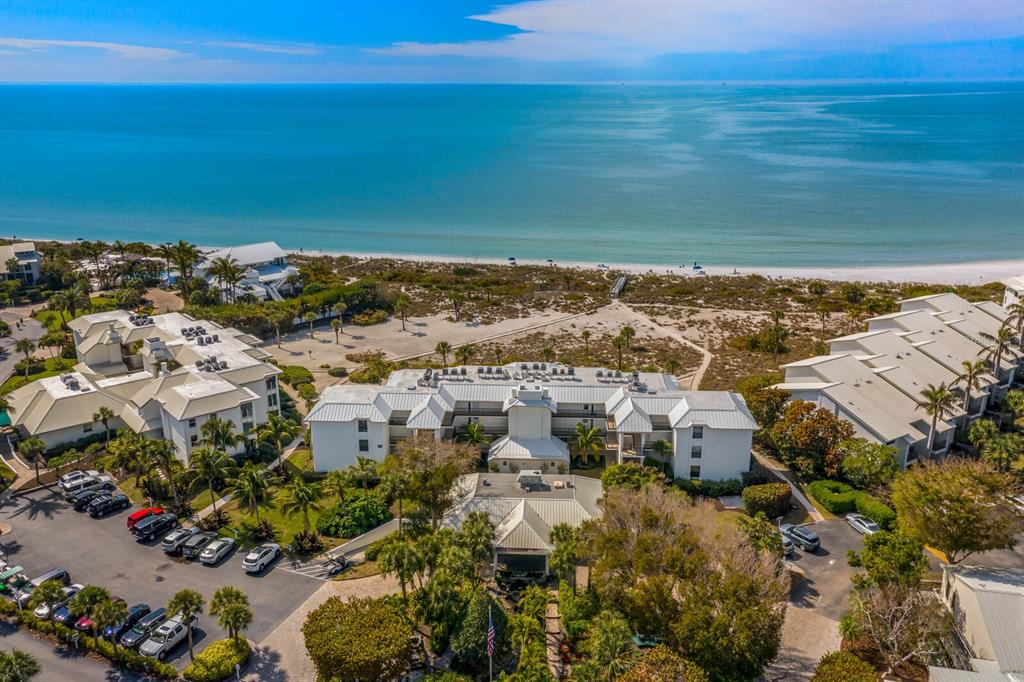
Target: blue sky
532,41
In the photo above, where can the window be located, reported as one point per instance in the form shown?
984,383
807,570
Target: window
194,439
695,451
362,426
192,423
87,428
272,384
246,410
698,432
695,471
246,427
364,445
272,400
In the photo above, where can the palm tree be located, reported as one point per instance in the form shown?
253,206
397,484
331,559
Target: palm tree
498,352
473,434
338,481
161,454
108,614
618,343
220,434
230,606
277,432
662,448
457,299
50,594
463,354
208,466
672,365
95,251
185,258
222,269
310,317
524,631
5,405
547,354
628,333
18,666
103,416
340,309
301,498
585,335
999,345
75,297
443,349
1016,319
394,484
251,488
32,449
586,442
364,471
86,601
25,346
336,326
166,253
971,379
400,559
611,644
402,307
938,400
1004,449
187,604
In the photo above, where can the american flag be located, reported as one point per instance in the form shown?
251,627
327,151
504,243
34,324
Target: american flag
490,634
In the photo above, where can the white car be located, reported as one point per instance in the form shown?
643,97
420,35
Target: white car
787,545
71,477
163,640
86,483
216,550
260,557
44,611
862,524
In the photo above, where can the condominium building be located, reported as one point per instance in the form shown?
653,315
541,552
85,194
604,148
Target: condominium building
19,261
162,376
530,412
266,273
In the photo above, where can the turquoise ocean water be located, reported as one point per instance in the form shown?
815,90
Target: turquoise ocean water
787,175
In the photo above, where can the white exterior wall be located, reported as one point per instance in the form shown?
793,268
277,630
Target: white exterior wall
180,433
725,453
336,444
73,433
529,422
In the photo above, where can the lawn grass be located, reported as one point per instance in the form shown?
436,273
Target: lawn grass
51,319
363,569
54,366
200,499
241,522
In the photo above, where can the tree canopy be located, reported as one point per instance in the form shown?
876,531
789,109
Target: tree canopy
366,639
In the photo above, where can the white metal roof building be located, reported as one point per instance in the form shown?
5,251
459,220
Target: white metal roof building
265,269
162,376
530,411
27,266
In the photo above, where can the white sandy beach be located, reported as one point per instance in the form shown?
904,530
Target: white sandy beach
945,273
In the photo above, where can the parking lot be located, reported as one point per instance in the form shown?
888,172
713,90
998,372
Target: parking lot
47,532
827,585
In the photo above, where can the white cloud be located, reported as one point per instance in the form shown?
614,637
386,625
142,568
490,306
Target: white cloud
120,49
275,48
634,30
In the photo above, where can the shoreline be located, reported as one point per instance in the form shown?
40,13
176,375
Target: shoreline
972,273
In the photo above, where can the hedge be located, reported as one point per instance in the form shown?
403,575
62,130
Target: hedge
770,499
294,375
698,488
842,666
840,498
124,657
361,511
217,662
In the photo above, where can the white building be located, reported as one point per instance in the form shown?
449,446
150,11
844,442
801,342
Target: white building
265,270
1014,291
163,376
987,605
530,410
27,268
523,515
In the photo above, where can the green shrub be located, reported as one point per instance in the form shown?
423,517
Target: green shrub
361,511
842,666
337,372
294,375
699,488
217,662
370,317
839,498
770,499
631,475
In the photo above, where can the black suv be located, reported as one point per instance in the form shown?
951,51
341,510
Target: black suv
80,502
140,631
105,504
193,547
151,526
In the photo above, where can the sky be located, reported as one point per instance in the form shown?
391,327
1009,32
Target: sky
536,41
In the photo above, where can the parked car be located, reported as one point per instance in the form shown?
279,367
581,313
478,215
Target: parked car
152,526
787,545
45,611
216,550
802,537
105,504
136,613
72,476
260,557
24,593
85,623
80,501
100,482
176,538
141,630
193,547
163,640
135,517
862,524
65,616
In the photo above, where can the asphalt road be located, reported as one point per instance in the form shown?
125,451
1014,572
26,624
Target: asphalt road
827,586
29,330
57,663
47,532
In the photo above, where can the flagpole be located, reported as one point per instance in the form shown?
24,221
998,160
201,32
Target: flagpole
490,648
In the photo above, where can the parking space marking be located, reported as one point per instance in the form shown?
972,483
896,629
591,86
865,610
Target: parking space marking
307,569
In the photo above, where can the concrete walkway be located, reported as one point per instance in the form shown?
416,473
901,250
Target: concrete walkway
782,472
553,635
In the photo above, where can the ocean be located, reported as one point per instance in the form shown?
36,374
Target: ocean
745,175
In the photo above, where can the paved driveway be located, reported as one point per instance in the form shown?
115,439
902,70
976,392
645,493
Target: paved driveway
46,533
30,329
59,663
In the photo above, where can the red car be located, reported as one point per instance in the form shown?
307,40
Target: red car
84,624
142,514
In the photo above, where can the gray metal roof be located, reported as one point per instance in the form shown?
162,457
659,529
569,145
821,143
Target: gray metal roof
1003,614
